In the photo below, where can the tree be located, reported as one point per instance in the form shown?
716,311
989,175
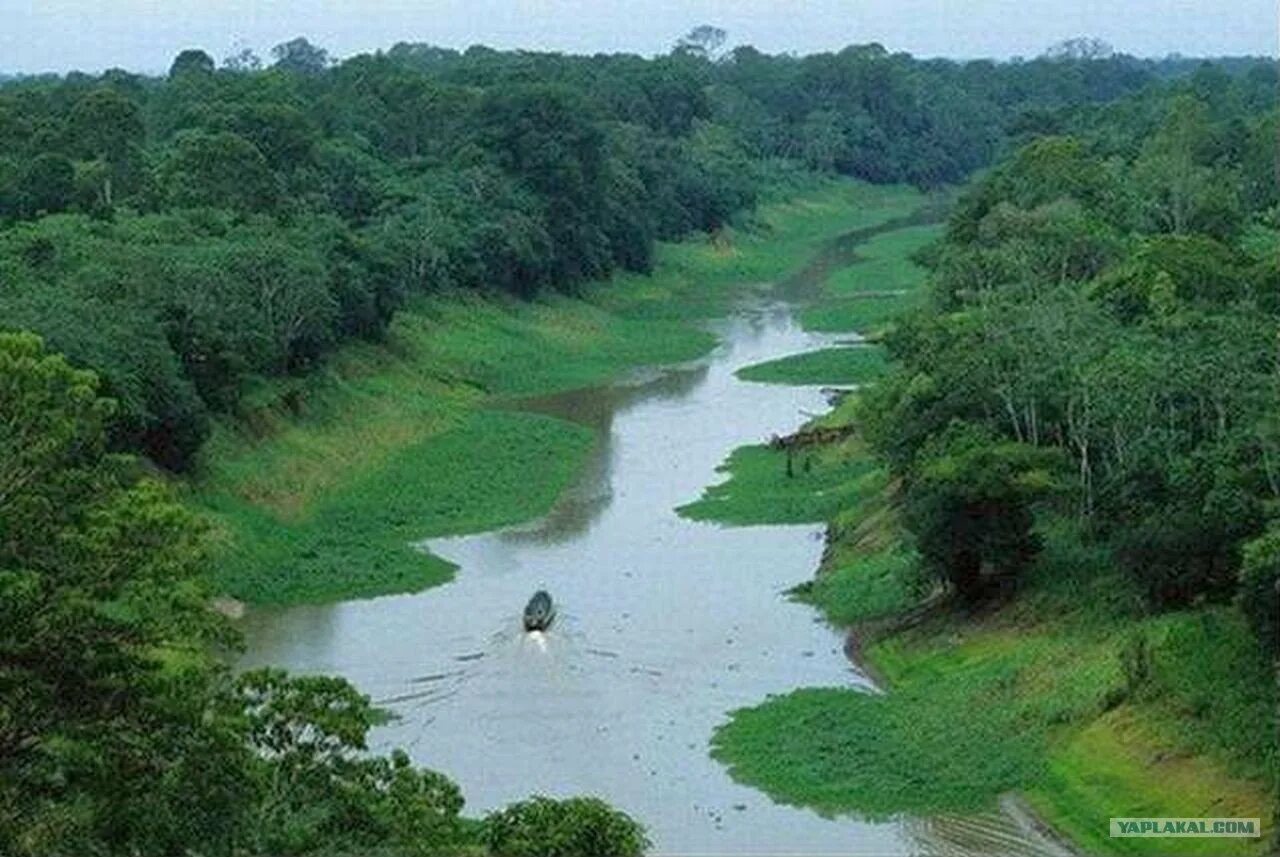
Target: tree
51,444
575,827
223,170
969,502
108,126
244,61
1180,191
544,136
318,790
47,186
191,61
283,134
105,124
1080,48
106,673
1260,588
121,730
300,57
703,41
157,411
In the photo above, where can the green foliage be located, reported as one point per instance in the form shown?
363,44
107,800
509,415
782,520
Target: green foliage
332,447
422,169
869,586
299,56
493,469
105,673
105,124
222,170
877,755
844,365
1104,308
122,729
158,412
51,444
767,485
191,61
1090,304
573,827
319,792
969,503
198,241
46,187
1260,588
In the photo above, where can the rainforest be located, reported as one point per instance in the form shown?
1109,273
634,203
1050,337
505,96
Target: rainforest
899,438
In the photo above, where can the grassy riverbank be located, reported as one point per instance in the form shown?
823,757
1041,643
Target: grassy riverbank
320,487
1066,692
884,282
1031,695
856,364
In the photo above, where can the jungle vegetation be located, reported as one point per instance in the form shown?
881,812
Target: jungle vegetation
1102,329
1054,528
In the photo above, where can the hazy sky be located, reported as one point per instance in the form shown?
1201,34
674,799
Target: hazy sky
143,35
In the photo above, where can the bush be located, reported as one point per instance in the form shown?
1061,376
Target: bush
969,503
1259,594
576,827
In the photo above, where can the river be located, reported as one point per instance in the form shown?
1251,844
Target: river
665,626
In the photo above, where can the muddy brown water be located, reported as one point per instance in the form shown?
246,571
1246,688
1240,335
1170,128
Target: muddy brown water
665,625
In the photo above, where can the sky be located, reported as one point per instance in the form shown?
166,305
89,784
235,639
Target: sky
144,35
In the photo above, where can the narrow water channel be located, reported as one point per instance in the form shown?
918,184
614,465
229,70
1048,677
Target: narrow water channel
665,626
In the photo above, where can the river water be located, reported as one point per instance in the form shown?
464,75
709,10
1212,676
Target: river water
665,625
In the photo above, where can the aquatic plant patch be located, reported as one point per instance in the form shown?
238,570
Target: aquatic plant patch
495,468
857,364
765,485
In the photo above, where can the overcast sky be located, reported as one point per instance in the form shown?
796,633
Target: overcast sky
143,35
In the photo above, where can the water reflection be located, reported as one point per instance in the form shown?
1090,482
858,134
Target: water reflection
596,408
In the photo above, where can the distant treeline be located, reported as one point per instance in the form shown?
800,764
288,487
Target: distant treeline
184,236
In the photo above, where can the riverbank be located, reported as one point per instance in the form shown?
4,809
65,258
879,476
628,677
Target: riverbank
320,487
1066,692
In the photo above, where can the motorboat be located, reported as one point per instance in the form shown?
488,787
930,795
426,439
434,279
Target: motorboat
540,612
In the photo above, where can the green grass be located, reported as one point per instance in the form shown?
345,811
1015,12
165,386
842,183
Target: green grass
886,263
391,445
881,284
857,364
878,755
704,276
1118,767
863,314
871,586
1032,698
759,491
320,485
493,469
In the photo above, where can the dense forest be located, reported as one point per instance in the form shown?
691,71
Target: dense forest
188,235
1102,334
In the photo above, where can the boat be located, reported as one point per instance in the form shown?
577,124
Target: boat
539,612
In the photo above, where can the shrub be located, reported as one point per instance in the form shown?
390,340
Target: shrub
576,827
1259,594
